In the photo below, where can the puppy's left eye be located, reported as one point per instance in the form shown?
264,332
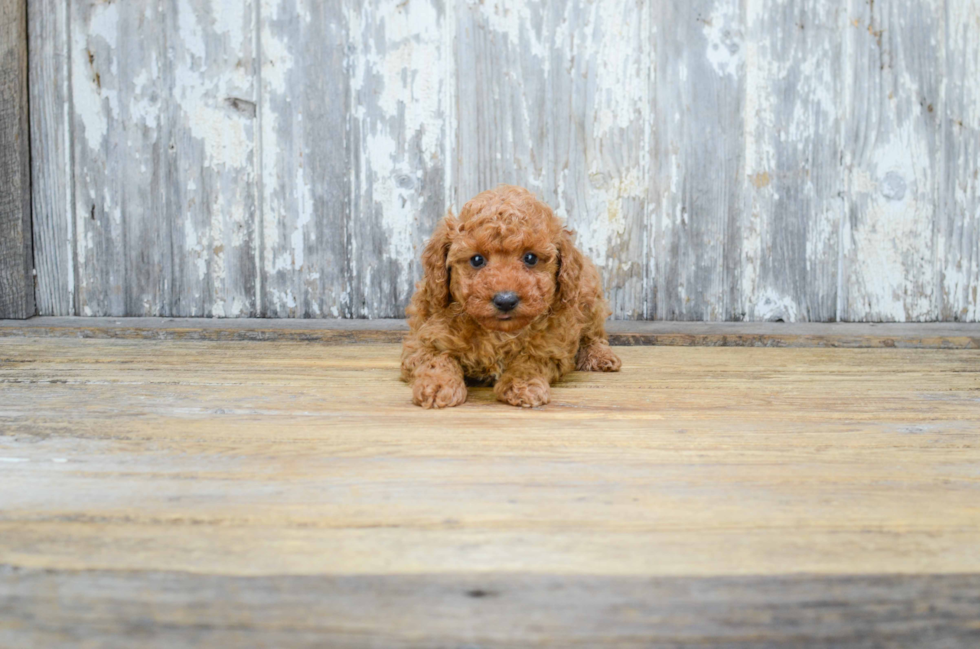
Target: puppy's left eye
530,258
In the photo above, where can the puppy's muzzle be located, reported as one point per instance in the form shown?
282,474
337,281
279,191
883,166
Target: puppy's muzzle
506,301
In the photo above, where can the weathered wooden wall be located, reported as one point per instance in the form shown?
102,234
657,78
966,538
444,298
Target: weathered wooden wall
720,159
16,263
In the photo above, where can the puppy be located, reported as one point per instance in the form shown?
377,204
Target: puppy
506,299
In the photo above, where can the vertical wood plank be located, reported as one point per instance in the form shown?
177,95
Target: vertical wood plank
211,177
501,57
698,166
16,256
399,82
305,159
791,220
51,167
121,147
894,71
555,96
960,221
163,108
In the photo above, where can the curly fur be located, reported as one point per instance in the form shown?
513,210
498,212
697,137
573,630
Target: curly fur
456,331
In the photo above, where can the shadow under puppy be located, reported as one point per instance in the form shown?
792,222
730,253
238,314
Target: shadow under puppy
506,298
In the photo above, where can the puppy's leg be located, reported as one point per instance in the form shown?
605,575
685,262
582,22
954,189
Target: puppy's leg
437,382
596,356
594,352
525,383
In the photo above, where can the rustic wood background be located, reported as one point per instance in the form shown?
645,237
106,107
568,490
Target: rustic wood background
16,257
720,159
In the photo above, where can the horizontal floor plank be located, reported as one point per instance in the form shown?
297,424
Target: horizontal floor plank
168,492
168,609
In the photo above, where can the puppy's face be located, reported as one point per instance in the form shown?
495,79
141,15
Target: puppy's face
503,267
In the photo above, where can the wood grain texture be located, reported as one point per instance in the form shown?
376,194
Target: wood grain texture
792,150
401,76
556,97
167,609
696,245
211,178
702,495
892,157
720,160
306,159
959,223
16,250
121,160
164,102
51,162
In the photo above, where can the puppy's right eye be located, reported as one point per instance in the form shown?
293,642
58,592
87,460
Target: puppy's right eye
477,261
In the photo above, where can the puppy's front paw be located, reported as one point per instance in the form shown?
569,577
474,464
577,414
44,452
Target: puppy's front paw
431,392
529,393
597,357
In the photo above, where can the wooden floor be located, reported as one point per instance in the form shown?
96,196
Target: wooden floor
164,493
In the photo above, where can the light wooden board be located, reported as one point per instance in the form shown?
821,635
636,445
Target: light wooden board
402,76
698,125
164,102
721,160
16,256
305,160
51,163
789,268
959,227
892,156
637,507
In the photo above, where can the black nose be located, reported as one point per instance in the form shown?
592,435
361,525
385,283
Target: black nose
506,301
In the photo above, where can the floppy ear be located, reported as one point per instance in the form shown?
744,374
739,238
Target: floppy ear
570,264
432,293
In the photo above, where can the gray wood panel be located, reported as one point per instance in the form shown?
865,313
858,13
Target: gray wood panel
959,222
556,97
792,157
53,208
305,159
720,159
16,258
210,111
121,141
893,103
65,608
401,84
164,101
698,168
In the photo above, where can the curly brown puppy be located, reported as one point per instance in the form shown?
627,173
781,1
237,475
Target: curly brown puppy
506,298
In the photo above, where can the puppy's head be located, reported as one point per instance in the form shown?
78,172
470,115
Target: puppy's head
506,261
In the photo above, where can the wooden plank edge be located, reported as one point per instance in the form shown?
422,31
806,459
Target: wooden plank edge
158,609
622,333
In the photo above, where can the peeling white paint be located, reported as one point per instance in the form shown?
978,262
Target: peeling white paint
898,282
92,99
512,19
723,33
771,306
277,57
902,173
203,96
399,80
